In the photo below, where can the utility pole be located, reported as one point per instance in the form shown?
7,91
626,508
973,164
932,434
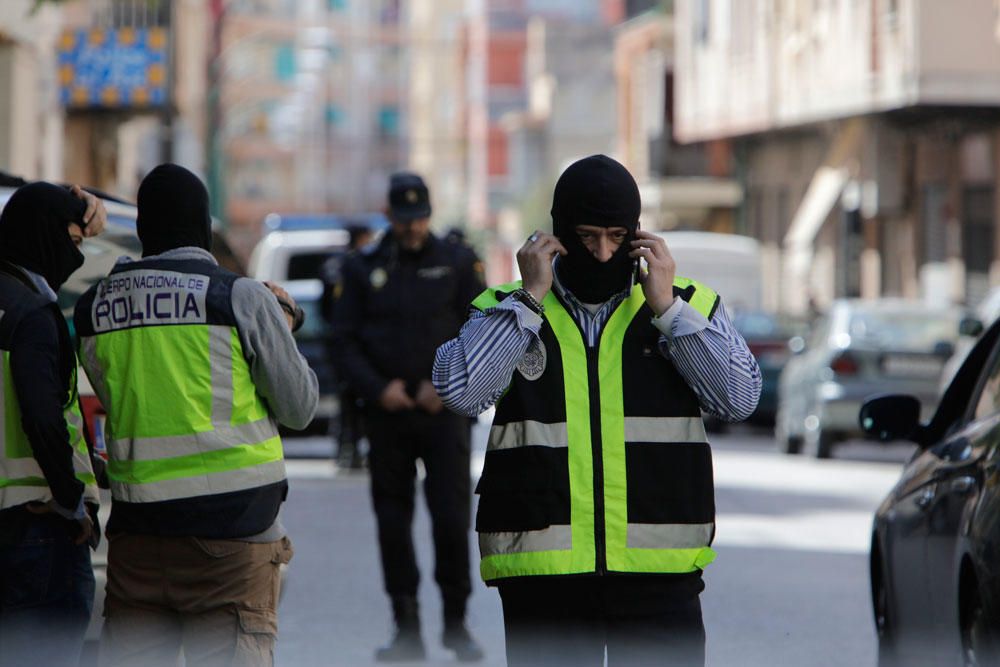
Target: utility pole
213,143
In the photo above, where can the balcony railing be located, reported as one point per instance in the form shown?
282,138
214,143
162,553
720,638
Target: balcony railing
130,13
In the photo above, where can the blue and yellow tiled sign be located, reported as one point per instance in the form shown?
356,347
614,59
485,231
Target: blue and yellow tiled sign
123,68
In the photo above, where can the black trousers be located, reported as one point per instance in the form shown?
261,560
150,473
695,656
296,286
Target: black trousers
639,621
441,441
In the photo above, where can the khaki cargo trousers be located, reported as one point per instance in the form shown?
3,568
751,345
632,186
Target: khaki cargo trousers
214,600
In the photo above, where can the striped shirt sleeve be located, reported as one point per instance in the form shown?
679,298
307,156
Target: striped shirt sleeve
472,372
715,361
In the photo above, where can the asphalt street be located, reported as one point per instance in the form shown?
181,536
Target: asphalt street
789,587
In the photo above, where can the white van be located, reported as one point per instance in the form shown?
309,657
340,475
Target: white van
728,263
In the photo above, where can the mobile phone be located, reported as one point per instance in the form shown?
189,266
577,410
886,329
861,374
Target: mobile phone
637,264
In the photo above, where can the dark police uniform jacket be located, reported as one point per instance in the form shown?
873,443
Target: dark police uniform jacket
396,308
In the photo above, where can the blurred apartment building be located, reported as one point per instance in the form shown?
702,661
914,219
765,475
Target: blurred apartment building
435,106
311,101
539,93
289,106
866,135
30,116
309,105
688,187
131,81
100,91
85,86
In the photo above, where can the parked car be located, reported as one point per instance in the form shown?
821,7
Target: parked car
935,549
769,335
313,339
970,328
860,348
292,254
295,247
728,263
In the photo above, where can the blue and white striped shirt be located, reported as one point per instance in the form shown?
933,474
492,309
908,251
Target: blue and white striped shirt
472,372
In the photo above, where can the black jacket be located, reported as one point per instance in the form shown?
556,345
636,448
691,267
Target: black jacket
41,367
397,307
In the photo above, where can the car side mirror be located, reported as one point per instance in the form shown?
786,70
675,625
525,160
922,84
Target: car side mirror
796,344
890,417
970,326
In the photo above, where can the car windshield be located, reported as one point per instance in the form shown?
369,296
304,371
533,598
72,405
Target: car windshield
902,330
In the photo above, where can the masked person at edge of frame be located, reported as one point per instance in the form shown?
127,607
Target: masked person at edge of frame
48,491
596,503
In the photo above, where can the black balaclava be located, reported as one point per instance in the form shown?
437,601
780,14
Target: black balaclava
595,191
173,211
33,231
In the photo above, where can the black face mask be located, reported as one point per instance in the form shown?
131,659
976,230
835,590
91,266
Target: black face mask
33,231
596,191
589,279
172,211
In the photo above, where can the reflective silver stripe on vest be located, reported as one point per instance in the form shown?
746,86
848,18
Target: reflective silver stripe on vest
665,429
527,433
75,420
202,485
19,468
12,496
81,459
668,535
28,467
220,351
549,539
163,447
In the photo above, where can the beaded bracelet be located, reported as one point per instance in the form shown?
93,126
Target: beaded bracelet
525,297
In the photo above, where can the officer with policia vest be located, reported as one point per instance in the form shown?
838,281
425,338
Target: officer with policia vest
596,505
48,493
195,367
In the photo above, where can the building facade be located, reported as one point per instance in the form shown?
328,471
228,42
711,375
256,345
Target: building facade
121,121
866,135
683,186
312,103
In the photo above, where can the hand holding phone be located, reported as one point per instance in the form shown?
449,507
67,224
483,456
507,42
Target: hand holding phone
534,260
658,281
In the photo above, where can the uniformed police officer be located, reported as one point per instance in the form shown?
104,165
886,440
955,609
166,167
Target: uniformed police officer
400,300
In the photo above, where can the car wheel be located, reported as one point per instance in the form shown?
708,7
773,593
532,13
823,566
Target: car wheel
819,444
977,641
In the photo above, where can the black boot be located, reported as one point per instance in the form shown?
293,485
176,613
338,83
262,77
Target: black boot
407,645
457,638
